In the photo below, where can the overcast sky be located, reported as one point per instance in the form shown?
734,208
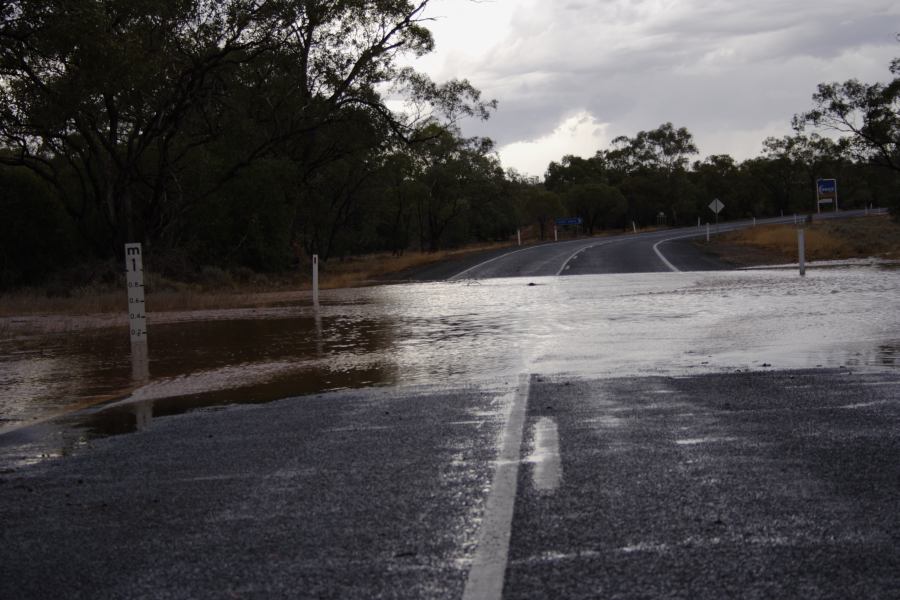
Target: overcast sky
570,75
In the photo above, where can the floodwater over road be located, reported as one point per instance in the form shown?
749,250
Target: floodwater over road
59,389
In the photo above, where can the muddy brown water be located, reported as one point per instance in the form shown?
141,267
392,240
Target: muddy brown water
62,386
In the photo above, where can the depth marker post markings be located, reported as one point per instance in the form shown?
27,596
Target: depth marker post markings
137,307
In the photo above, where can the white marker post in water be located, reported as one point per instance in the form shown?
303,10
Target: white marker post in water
801,249
315,275
137,307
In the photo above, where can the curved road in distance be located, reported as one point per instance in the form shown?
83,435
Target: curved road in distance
652,252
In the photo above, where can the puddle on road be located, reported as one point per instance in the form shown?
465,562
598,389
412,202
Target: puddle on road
447,334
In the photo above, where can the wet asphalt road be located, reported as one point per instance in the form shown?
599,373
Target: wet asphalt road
764,484
367,495
649,252
741,485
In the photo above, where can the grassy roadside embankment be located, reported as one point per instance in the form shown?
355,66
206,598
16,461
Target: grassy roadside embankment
219,289
863,237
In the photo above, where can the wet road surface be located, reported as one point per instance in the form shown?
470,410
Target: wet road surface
690,435
743,485
650,252
777,485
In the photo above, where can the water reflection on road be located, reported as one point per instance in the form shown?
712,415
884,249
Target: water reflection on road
447,334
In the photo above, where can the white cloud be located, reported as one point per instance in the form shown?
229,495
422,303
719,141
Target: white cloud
580,135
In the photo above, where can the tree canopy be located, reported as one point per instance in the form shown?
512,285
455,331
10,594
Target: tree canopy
253,133
118,103
867,114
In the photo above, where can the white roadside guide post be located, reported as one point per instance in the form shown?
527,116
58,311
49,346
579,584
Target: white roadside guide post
315,275
519,236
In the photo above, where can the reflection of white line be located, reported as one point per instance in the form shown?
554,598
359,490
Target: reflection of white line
547,467
864,404
485,581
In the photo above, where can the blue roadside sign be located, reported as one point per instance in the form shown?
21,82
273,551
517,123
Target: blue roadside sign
569,221
827,190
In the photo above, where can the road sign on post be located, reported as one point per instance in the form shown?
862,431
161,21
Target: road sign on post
716,206
826,193
569,221
134,279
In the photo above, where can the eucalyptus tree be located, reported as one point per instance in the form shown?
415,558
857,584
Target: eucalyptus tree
135,109
652,167
536,204
664,149
571,170
599,205
457,176
868,114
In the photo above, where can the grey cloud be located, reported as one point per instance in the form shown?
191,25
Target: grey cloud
713,67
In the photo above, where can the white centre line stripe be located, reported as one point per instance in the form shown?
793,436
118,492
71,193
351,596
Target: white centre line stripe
485,581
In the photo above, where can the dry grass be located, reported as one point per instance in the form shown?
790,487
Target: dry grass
30,302
865,237
106,300
221,291
374,268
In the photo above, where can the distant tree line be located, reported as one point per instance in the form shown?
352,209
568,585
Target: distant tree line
254,133
650,180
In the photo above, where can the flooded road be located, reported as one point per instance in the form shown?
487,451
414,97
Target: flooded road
60,389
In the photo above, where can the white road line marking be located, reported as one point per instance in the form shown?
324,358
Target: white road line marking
723,228
679,237
485,580
566,262
547,465
461,274
736,225
663,258
565,266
